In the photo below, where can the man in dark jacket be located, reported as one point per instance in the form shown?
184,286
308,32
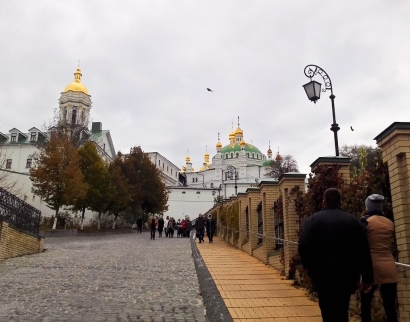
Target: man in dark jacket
210,228
200,227
161,223
334,250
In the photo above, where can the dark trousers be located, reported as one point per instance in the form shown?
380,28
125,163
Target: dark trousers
334,305
201,234
139,230
388,293
152,233
160,233
210,235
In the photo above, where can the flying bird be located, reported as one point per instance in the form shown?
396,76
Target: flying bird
351,128
209,90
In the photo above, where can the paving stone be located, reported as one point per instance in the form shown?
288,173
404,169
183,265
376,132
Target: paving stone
103,278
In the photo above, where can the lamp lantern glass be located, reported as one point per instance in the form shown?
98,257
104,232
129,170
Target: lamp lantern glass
312,90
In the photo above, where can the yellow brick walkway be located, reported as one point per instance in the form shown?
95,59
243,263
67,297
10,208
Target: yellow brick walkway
253,291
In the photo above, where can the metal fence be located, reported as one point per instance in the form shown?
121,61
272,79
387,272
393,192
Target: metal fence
19,213
283,241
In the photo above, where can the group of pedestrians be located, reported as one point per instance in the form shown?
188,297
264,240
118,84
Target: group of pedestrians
341,253
169,225
202,223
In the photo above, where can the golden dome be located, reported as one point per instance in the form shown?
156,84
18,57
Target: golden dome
219,145
238,131
187,159
269,151
243,143
207,154
77,86
232,135
193,170
201,169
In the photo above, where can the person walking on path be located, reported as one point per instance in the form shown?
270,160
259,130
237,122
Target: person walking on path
139,225
380,235
200,227
210,228
170,227
160,226
334,250
188,226
153,225
166,225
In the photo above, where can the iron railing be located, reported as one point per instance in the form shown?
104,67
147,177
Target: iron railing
19,213
284,241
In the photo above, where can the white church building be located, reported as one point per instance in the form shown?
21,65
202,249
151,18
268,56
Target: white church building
234,168
18,147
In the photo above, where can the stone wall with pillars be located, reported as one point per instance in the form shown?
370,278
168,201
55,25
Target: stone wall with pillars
343,162
243,237
286,183
269,190
395,144
254,197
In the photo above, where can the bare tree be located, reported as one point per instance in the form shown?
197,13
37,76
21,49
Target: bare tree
282,165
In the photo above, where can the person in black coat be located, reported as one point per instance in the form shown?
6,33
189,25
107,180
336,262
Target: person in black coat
334,250
200,227
210,228
161,223
139,225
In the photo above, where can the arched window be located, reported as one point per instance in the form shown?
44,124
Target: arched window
159,162
237,154
65,114
257,156
226,155
196,179
82,115
193,179
74,117
247,155
253,155
231,155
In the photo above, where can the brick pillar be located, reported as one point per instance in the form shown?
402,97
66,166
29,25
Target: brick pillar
286,183
270,192
395,144
242,218
3,239
254,197
343,162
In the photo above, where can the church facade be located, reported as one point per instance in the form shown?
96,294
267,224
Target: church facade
18,148
234,168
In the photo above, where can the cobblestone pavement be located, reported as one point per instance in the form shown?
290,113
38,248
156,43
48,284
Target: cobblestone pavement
103,278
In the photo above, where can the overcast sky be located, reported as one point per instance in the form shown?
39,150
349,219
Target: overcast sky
147,65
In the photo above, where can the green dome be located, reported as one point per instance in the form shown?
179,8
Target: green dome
267,163
237,148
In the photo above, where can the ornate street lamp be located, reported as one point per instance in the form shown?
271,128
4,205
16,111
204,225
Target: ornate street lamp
232,172
313,90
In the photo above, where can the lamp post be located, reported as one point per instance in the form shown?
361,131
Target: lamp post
313,90
232,172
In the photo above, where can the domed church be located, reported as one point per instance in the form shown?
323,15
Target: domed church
238,160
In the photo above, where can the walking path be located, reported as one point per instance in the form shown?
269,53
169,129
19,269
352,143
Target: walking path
103,278
253,291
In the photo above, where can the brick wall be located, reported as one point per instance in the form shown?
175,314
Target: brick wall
274,261
395,144
260,254
15,243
